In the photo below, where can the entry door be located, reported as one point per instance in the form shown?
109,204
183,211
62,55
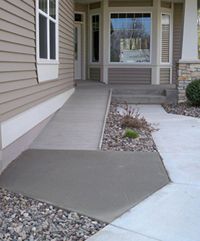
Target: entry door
78,50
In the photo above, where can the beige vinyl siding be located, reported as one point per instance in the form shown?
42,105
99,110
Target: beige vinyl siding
177,37
131,3
19,88
135,76
165,4
95,74
81,7
95,5
165,74
165,43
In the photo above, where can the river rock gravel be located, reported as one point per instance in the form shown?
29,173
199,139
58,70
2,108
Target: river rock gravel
183,109
113,136
23,218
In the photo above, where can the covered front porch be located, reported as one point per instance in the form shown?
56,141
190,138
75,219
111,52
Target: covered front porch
134,42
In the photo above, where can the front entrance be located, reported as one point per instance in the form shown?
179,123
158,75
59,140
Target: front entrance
78,51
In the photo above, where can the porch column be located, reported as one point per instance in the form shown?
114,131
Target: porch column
190,35
105,41
189,64
156,24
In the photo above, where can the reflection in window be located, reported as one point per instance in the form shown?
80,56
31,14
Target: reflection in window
52,40
43,5
198,23
130,37
52,8
43,36
95,38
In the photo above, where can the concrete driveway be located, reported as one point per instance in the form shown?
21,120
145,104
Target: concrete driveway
173,213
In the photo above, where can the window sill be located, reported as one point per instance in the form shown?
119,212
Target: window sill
46,61
95,63
47,71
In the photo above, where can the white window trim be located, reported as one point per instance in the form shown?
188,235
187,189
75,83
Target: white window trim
47,69
91,38
109,44
170,40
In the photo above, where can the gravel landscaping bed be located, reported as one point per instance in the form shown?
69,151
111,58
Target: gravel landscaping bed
114,135
22,218
183,109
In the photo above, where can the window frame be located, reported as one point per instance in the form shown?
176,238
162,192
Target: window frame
56,21
91,38
151,32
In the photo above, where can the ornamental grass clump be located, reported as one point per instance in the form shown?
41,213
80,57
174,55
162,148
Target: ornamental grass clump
193,92
129,133
133,120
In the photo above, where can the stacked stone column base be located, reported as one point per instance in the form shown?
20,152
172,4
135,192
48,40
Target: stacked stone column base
187,72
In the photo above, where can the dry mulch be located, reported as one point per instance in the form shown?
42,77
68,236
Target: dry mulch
115,141
183,109
23,218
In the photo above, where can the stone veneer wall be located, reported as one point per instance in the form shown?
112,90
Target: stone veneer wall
187,72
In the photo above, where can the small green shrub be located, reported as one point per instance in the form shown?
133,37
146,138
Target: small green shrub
131,134
193,92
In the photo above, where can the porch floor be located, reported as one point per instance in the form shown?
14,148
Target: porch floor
78,124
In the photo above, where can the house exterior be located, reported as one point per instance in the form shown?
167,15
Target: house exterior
45,45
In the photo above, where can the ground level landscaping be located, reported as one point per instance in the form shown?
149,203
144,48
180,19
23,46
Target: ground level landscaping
23,218
183,109
114,135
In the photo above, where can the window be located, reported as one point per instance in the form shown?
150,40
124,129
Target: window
95,38
198,23
130,37
47,11
165,45
78,17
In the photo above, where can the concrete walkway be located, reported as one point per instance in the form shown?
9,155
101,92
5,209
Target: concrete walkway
173,213
99,184
78,125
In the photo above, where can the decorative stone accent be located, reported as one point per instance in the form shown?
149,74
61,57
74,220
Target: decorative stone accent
187,72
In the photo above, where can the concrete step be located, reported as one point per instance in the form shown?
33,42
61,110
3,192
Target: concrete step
124,86
142,89
149,87
139,92
140,99
149,94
